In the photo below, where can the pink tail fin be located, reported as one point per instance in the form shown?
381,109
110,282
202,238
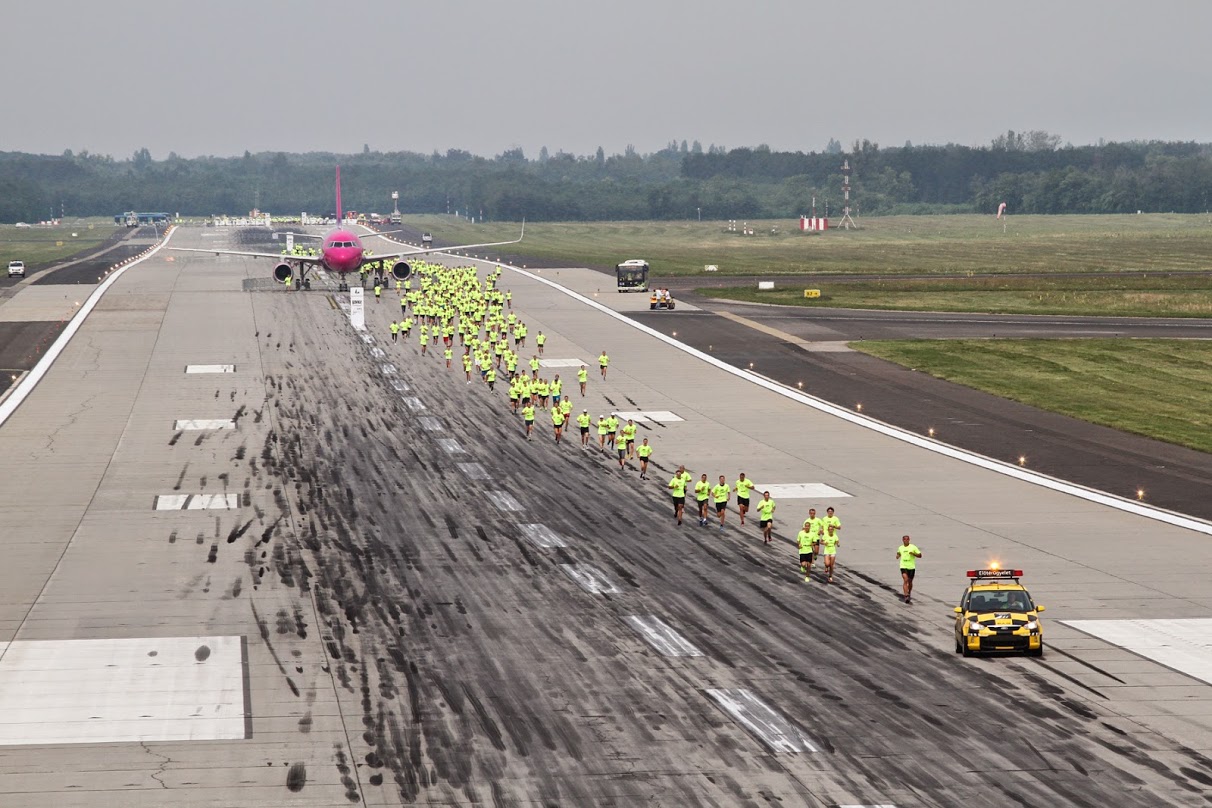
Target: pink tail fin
339,214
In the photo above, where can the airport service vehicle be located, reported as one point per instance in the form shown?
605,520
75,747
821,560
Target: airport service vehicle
341,253
996,614
661,299
632,275
396,218
16,268
426,240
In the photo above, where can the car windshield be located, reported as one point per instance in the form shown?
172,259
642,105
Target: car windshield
1014,601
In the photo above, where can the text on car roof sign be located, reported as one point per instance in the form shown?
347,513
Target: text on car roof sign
995,574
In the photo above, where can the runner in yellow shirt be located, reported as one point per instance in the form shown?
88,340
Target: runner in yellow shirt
644,451
743,488
582,378
806,540
583,423
720,494
765,509
829,545
908,554
603,361
528,416
702,491
677,489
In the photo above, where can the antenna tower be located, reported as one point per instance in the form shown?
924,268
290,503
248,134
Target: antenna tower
847,222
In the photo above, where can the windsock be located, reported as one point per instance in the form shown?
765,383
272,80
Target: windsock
1001,210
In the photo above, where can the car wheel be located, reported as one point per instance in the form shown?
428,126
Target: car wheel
959,648
965,650
1038,652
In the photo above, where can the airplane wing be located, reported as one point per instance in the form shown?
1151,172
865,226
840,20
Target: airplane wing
306,259
425,251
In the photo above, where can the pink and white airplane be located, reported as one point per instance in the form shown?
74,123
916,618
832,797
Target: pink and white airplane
342,252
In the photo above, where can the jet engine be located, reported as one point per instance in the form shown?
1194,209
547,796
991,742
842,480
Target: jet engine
282,272
400,270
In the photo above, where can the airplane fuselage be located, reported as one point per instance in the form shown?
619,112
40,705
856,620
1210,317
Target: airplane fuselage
342,251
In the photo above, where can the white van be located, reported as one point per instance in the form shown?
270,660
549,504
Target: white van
16,268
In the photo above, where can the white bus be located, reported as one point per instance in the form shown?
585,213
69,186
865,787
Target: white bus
632,276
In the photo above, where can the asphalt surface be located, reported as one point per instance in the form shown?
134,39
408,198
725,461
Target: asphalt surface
482,671
1173,477
438,611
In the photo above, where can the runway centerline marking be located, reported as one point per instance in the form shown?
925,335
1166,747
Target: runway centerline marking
198,424
475,471
399,386
450,446
122,690
590,578
504,500
661,636
762,721
197,502
799,490
644,416
388,369
542,536
560,363
210,368
413,403
377,352
431,424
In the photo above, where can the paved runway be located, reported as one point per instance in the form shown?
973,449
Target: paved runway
428,609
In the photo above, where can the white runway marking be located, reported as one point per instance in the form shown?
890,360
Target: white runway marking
644,416
197,502
542,536
388,369
504,500
661,636
561,363
431,424
413,403
210,368
475,471
450,446
1184,645
590,578
399,386
122,691
367,338
762,721
799,491
378,353
220,423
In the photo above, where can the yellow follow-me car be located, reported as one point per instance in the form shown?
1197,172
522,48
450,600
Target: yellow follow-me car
997,614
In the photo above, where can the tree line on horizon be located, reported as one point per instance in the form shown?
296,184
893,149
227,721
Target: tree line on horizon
1031,172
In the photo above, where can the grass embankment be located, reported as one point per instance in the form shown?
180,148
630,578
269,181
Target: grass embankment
893,245
1156,388
1142,295
38,246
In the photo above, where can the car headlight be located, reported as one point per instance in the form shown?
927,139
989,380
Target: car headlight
975,625
1032,625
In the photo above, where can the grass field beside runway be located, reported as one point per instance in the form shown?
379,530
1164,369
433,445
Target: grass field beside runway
1156,388
38,246
893,245
1144,295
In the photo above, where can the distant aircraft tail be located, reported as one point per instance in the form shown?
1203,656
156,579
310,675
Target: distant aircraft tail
340,216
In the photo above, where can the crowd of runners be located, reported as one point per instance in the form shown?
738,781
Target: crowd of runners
456,312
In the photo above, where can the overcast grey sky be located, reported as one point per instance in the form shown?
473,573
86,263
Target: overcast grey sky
218,77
